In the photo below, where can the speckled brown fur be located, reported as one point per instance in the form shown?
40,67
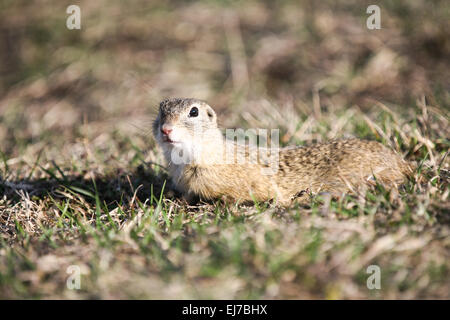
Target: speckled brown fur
336,167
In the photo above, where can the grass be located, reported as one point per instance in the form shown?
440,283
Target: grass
84,185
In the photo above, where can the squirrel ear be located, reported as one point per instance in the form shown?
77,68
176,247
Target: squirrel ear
210,113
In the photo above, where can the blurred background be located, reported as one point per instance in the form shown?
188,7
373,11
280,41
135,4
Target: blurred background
317,56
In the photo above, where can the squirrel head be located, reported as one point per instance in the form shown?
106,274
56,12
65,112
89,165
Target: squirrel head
185,125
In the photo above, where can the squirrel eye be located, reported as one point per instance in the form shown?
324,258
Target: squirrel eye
193,112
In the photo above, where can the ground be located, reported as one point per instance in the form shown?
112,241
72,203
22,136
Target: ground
83,186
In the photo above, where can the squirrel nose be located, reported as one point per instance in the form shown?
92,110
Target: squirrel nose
166,130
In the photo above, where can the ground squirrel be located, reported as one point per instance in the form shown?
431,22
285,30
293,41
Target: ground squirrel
199,165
